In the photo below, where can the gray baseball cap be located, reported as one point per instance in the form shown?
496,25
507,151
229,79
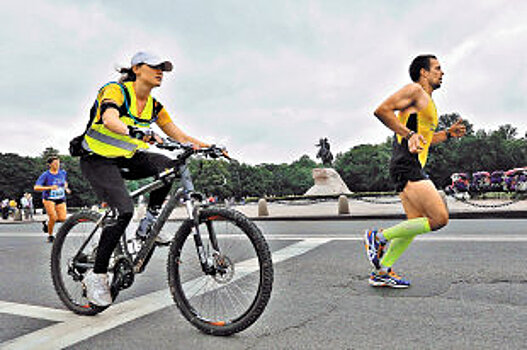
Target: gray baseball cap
152,60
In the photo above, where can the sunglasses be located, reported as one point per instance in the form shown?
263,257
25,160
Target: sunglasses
159,66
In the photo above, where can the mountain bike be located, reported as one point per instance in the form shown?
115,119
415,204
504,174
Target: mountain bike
220,271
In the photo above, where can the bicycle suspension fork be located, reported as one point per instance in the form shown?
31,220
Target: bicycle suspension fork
193,213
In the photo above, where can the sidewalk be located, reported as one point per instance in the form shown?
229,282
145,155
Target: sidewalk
36,218
373,209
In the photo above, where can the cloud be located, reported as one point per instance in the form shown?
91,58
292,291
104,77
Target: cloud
269,79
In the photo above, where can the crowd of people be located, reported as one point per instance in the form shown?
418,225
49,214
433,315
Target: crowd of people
23,209
513,180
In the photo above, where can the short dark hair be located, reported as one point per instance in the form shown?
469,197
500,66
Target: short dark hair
421,61
51,159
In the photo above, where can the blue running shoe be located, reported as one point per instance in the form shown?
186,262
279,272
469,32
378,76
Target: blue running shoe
388,279
374,248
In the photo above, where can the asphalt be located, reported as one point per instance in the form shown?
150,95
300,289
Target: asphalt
468,292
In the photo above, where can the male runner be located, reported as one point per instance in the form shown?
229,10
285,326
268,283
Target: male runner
414,128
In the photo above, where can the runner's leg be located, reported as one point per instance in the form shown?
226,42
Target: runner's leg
52,215
423,196
61,212
399,245
425,211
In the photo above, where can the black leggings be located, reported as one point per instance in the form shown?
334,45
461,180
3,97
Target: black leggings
106,176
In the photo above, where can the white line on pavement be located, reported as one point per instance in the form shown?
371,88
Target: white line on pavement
35,311
439,237
80,328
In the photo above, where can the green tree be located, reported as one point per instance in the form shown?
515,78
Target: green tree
366,167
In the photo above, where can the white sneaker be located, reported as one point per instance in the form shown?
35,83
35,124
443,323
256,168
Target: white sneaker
97,288
163,238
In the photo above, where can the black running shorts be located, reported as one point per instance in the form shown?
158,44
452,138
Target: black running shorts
405,166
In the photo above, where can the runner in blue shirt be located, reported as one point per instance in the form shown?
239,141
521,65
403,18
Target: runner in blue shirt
54,185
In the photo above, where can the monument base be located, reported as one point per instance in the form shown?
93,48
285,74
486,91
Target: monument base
327,182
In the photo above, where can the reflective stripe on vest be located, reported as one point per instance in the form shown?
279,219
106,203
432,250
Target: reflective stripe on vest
111,141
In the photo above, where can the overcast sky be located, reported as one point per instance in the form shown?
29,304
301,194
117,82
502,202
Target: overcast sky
265,78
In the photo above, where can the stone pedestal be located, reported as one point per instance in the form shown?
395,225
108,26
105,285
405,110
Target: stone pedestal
327,182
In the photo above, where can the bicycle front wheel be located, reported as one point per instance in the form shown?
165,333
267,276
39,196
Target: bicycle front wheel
234,294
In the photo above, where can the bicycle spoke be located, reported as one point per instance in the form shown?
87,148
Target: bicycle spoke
206,294
236,287
69,264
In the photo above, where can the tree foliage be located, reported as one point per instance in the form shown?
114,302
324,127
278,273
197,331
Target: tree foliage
363,168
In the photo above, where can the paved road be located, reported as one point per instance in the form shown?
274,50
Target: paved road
469,291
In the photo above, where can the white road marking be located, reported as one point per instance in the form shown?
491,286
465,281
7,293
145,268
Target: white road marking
35,311
80,328
440,237
29,234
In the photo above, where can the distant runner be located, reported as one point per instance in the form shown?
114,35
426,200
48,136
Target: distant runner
414,128
54,185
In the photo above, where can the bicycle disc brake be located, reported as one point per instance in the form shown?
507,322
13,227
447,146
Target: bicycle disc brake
224,269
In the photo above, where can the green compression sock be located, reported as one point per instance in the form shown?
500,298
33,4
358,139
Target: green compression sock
400,237
407,229
395,250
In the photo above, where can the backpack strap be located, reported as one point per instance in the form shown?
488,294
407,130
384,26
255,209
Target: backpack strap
138,120
125,107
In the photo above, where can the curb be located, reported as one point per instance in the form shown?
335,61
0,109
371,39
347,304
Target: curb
466,215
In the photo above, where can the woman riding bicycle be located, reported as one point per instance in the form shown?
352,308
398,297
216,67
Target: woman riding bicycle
116,142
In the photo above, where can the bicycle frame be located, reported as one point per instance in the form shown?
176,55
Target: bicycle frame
185,192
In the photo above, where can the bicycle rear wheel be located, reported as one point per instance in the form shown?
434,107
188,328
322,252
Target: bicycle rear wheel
67,271
233,297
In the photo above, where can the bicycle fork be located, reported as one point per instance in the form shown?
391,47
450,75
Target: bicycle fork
206,260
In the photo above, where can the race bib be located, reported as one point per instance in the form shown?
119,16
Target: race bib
59,193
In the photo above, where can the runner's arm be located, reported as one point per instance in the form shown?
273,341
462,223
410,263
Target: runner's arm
67,188
40,188
457,129
399,101
409,99
40,185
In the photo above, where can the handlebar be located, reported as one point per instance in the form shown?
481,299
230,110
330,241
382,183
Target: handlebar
212,151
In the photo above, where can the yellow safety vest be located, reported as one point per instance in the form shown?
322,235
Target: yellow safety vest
100,140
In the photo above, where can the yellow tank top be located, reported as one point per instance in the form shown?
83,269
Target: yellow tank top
423,122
